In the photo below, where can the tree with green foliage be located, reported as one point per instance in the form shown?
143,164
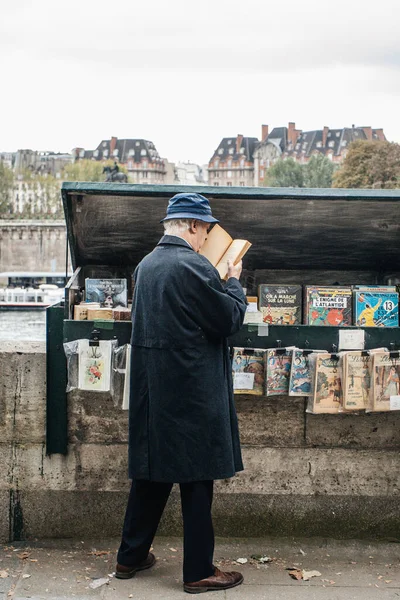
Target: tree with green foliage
88,170
370,165
6,191
285,173
318,172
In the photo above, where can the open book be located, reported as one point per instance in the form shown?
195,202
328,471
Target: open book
219,247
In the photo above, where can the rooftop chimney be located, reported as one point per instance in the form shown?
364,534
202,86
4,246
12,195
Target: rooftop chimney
238,142
324,135
293,134
380,134
264,132
368,133
113,144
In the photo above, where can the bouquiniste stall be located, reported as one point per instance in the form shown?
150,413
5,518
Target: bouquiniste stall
299,236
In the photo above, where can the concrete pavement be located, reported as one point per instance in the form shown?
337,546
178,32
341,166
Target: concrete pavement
71,569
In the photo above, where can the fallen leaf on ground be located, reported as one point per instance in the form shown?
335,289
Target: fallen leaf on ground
302,574
261,559
96,583
26,576
24,555
388,580
173,550
302,552
3,574
98,553
242,561
308,574
295,574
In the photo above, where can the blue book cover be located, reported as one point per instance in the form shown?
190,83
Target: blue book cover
376,309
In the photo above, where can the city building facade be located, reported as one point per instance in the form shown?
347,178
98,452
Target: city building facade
139,156
289,142
43,163
232,163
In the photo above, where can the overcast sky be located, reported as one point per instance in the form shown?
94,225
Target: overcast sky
185,73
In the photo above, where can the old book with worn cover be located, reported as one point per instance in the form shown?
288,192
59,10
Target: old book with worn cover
300,382
356,380
331,306
327,396
280,304
385,382
110,293
219,247
376,308
248,366
279,362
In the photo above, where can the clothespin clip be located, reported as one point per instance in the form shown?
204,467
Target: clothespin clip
334,354
279,350
94,339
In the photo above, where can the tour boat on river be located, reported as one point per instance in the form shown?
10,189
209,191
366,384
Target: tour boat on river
30,291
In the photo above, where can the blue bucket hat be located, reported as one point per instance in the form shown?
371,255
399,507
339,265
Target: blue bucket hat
189,206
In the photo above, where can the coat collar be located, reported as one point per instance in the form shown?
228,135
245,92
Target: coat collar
174,240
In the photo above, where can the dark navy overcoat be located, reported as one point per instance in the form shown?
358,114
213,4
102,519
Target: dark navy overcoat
182,418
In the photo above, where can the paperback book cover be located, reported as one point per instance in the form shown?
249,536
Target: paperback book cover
327,397
248,371
278,371
331,306
376,309
386,382
110,293
280,304
94,366
356,380
300,382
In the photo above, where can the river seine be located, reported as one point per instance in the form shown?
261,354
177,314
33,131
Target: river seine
23,325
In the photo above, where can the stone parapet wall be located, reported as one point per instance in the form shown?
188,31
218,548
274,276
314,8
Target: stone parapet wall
32,245
304,474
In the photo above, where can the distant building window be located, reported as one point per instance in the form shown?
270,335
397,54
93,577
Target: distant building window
304,145
96,153
241,150
216,183
356,133
331,144
221,151
229,164
241,173
131,152
145,174
338,134
330,156
143,152
230,150
105,153
144,164
229,174
262,162
216,163
262,174
216,174
242,162
241,184
104,144
297,146
137,144
344,143
319,144
229,141
115,152
229,184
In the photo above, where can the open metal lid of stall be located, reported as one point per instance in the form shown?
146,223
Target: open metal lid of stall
289,228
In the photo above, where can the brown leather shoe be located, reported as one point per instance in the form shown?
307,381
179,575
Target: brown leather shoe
219,581
123,572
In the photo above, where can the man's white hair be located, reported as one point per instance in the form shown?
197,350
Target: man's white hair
176,226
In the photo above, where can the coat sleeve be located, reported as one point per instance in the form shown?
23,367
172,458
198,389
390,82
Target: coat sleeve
218,310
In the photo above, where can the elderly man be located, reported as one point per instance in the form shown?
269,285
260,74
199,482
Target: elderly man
182,420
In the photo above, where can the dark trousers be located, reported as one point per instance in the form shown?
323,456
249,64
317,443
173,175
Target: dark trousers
147,500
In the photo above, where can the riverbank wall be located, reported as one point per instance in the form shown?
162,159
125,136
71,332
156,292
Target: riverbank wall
304,474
